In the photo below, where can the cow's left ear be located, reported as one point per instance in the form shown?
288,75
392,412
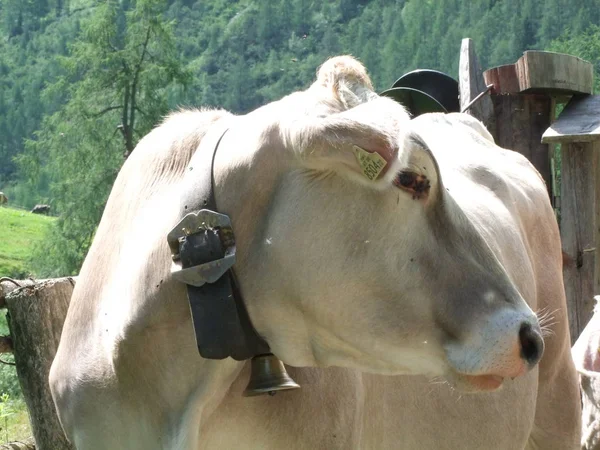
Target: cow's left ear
362,143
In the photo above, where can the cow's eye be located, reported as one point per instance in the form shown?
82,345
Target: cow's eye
412,182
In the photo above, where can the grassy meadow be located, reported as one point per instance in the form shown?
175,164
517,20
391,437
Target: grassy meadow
19,232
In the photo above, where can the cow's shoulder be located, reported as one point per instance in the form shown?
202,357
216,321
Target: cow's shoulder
168,148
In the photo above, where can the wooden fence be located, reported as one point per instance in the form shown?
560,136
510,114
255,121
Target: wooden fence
36,312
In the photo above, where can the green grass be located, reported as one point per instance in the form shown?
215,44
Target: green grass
14,420
19,232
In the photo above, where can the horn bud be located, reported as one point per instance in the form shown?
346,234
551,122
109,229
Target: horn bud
267,376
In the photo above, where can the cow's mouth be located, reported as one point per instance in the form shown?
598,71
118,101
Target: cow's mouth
483,382
474,383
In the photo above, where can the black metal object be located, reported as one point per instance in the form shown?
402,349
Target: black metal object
424,91
204,243
221,322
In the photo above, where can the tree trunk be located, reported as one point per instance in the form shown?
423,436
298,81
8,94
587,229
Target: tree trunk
36,316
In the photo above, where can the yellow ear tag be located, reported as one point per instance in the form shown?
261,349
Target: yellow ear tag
371,164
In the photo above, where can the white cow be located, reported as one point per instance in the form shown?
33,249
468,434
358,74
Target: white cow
429,267
586,354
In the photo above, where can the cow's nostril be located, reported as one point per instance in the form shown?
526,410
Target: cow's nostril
532,344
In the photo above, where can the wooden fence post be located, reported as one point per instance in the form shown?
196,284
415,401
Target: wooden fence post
578,131
36,316
524,97
472,84
521,119
27,444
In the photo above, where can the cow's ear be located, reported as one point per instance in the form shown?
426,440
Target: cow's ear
418,172
362,143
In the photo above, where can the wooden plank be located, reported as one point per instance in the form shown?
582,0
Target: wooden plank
37,314
578,232
543,71
471,84
520,122
504,78
596,186
547,72
579,122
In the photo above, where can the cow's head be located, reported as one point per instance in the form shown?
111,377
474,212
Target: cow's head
384,273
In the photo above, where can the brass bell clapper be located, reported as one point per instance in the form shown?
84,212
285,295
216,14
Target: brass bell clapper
267,376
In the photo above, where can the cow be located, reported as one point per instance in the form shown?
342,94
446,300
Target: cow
586,355
3,198
41,209
395,265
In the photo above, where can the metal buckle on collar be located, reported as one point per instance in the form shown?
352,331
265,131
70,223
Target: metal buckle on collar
201,223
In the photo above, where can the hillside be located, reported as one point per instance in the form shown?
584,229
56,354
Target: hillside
243,53
20,231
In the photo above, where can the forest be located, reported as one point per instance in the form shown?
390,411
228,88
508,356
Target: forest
81,81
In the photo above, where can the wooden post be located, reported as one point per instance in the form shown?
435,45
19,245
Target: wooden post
7,285
471,84
36,316
28,444
543,72
523,101
578,131
521,119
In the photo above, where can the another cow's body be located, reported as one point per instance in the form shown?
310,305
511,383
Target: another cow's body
586,355
41,209
128,375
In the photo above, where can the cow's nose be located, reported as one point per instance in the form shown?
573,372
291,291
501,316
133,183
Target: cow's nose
532,344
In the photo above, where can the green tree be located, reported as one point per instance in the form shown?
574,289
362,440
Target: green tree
118,72
586,45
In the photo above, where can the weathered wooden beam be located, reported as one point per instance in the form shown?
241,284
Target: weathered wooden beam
579,122
37,314
543,72
7,285
521,120
578,131
579,231
28,444
471,84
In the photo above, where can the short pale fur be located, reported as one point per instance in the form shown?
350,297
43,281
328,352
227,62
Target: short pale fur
349,280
